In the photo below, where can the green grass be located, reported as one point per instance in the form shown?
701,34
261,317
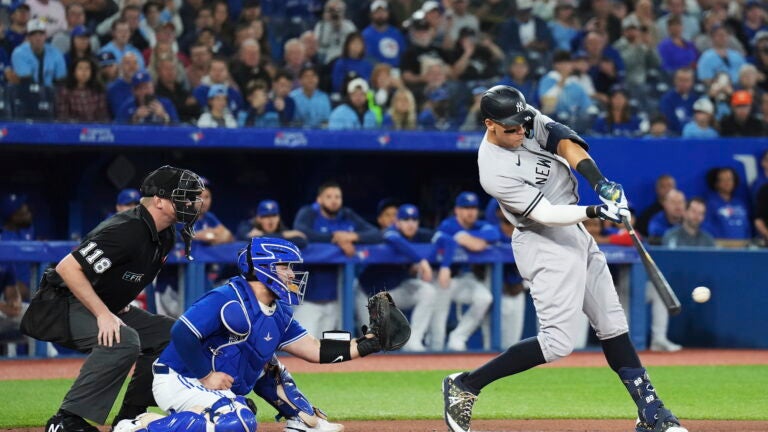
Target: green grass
693,392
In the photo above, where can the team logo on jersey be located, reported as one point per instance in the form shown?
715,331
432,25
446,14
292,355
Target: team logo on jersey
268,337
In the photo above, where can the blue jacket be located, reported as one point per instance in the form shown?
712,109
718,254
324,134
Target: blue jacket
509,35
344,117
449,227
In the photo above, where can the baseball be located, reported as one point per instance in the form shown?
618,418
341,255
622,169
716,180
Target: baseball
700,294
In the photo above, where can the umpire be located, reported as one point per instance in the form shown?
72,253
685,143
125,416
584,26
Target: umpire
111,266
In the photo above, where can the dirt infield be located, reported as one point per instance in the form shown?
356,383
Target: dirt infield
68,368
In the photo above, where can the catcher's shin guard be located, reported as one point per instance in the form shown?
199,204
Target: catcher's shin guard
278,388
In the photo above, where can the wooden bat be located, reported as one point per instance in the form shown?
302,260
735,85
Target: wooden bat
654,274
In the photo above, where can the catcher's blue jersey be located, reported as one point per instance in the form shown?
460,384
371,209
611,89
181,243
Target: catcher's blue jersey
240,352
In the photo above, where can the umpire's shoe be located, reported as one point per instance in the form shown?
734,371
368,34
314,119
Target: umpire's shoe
458,403
65,421
665,422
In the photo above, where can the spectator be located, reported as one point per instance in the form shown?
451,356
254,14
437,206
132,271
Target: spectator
328,221
82,99
313,107
409,284
618,120
420,49
459,17
690,233
675,51
221,24
580,74
164,42
646,16
50,12
75,17
761,215
309,40
120,89
719,58
638,54
439,83
671,215
383,87
475,118
748,77
261,35
463,287
384,43
151,24
26,58
108,70
257,114
606,66
518,76
755,20
598,16
120,44
267,223
79,45
200,63
664,184
208,228
436,111
676,104
762,176
351,63
716,17
432,11
564,27
760,58
677,9
702,124
332,30
250,66
741,122
280,100
658,128
561,96
491,13
402,111
11,306
144,107
354,114
477,59
17,30
515,36
170,87
203,19
386,213
727,215
131,13
294,58
217,114
218,73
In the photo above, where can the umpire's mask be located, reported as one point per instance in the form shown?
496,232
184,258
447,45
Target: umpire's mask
182,187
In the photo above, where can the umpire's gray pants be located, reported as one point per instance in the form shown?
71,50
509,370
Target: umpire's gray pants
141,340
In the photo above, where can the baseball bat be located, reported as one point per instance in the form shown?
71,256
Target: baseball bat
654,274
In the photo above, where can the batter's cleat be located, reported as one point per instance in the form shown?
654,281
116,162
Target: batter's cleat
665,346
665,422
458,403
295,424
64,421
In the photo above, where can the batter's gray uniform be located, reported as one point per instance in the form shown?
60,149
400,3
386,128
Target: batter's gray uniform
562,266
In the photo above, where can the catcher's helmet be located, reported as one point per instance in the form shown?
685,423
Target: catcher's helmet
182,187
258,261
505,105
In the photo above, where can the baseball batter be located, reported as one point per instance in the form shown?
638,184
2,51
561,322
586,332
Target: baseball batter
525,162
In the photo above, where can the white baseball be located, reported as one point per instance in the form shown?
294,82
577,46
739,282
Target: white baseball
701,294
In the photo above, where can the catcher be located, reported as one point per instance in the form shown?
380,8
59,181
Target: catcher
223,347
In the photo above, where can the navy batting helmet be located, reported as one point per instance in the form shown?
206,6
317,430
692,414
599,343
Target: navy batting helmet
505,105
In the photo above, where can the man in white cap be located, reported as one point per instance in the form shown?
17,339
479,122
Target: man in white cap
354,114
383,42
25,60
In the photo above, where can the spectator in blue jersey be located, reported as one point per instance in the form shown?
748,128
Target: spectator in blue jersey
719,58
120,44
17,30
383,42
670,216
208,227
519,76
119,89
313,106
675,51
145,107
676,105
218,73
108,69
354,114
258,113
563,97
409,284
224,346
351,62
328,221
268,223
280,100
564,26
459,284
703,120
618,120
26,59
727,215
523,32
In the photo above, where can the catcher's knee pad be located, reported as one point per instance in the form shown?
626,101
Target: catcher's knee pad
181,421
231,415
278,388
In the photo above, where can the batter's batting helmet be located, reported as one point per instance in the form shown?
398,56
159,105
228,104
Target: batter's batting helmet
505,105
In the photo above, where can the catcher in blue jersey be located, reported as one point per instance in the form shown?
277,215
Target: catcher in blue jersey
223,347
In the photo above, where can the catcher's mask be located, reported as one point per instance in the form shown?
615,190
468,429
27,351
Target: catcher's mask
270,261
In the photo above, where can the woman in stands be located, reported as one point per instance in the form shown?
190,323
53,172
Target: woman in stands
82,97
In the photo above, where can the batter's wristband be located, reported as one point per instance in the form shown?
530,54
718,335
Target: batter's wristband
592,211
590,171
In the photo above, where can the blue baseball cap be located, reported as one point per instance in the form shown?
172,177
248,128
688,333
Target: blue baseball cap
408,211
106,58
438,94
467,199
217,90
80,31
128,196
140,77
10,204
268,207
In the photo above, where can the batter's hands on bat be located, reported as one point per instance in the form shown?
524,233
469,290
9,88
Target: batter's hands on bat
217,381
612,212
109,329
611,193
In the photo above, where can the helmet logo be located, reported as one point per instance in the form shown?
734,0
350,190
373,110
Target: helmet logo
520,106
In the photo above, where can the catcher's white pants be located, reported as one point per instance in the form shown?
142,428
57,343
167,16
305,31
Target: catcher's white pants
318,317
411,293
173,391
464,289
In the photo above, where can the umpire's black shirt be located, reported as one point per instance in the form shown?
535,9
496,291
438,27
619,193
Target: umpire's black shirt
123,254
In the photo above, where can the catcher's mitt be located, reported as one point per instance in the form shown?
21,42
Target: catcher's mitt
387,322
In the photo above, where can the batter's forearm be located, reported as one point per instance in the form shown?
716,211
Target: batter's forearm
558,215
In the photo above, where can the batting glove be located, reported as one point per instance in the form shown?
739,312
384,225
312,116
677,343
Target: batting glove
611,193
610,212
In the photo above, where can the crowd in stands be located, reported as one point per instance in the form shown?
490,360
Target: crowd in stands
691,68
